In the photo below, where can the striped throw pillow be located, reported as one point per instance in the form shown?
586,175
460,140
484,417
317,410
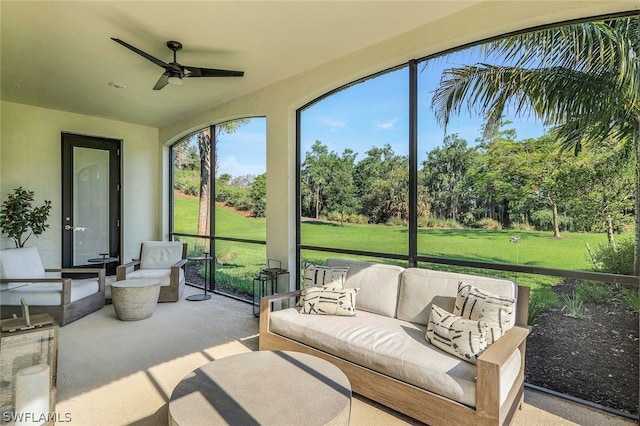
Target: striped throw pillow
319,301
458,336
478,305
324,276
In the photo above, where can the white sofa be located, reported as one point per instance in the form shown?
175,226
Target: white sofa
50,291
384,352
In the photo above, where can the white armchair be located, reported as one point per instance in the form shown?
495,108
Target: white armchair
162,260
50,291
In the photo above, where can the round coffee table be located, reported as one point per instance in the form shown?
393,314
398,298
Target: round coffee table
263,388
135,300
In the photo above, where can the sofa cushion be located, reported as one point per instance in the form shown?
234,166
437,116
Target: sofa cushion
48,294
458,336
162,275
319,301
378,284
21,263
498,312
392,347
419,288
160,254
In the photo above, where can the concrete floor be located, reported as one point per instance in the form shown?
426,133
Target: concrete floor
112,372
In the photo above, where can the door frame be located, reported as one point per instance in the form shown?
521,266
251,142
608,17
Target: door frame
114,147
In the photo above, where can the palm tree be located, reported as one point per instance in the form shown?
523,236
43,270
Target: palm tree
582,80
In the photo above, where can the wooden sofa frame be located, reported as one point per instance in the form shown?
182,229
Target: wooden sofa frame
418,403
170,293
67,311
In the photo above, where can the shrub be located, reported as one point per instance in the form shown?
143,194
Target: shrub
540,301
615,258
573,306
358,218
395,221
488,223
593,292
520,226
631,299
543,220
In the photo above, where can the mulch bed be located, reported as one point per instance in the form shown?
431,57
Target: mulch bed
593,358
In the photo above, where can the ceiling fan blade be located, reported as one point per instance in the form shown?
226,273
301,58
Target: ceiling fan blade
211,72
143,54
162,81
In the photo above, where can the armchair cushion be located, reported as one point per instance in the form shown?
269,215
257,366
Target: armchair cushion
21,263
160,254
50,293
162,275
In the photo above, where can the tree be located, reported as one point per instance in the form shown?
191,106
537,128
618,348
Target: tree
314,175
445,175
258,195
340,190
583,80
382,182
204,151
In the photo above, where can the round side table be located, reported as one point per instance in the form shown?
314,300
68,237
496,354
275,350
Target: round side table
135,300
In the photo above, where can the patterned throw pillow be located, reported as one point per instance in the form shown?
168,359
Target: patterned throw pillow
478,305
461,337
319,301
324,276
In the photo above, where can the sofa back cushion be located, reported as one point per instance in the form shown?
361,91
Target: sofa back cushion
420,288
21,263
160,254
378,285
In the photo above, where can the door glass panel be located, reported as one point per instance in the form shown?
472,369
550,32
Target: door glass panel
90,204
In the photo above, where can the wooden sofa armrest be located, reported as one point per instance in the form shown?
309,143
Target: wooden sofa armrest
65,298
175,270
488,371
121,270
503,348
100,272
266,304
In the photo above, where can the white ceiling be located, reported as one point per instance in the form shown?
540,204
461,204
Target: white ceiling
59,55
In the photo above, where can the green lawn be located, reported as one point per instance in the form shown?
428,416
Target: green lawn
240,262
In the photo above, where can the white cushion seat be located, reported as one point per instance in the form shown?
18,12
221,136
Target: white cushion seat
392,347
47,294
162,275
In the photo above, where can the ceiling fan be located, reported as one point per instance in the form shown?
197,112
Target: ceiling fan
175,72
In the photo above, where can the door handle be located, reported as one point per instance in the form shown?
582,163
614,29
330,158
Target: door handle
74,228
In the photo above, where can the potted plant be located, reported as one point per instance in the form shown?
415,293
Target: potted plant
18,217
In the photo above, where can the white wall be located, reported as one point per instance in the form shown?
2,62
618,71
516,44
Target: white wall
30,156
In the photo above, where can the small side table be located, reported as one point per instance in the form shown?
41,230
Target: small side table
135,300
266,283
105,260
207,260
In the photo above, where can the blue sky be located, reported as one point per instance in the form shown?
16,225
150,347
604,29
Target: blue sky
371,113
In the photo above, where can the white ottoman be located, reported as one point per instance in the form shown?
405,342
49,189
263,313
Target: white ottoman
135,300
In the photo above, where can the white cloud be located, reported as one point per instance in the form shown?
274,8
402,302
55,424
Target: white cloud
386,125
229,164
334,125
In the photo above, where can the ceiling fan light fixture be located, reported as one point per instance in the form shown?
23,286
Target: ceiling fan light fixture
175,80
